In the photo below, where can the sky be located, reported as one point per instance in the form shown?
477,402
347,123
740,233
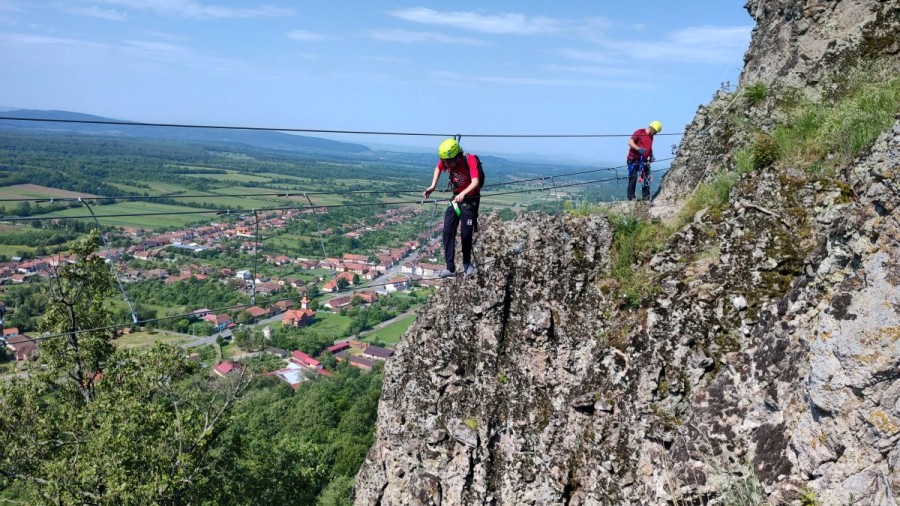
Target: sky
470,68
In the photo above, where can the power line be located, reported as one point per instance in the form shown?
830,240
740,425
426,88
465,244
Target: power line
270,301
267,209
314,130
291,193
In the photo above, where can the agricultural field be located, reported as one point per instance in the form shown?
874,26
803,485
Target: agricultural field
285,242
140,208
11,250
152,192
34,191
235,202
146,339
231,176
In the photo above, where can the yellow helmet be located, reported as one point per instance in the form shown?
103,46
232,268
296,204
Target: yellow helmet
656,125
449,149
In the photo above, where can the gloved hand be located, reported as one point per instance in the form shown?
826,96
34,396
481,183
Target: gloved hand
642,151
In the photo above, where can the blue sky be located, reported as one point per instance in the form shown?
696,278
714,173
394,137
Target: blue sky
502,67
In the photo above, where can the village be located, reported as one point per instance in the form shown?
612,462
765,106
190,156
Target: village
388,270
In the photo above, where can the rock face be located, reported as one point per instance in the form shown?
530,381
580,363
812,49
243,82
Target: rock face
768,364
765,369
485,399
795,44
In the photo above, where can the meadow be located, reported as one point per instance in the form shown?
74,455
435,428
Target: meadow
142,217
391,334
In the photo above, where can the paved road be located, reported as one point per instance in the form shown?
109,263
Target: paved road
201,341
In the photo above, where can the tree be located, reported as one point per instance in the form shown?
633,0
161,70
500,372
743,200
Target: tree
243,317
250,340
99,425
337,493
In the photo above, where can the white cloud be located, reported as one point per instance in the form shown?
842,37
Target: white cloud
538,81
385,59
168,54
712,35
589,55
196,10
411,37
28,40
705,44
134,53
304,36
10,6
96,12
517,24
594,70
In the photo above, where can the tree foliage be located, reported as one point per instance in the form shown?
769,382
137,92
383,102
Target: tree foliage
98,425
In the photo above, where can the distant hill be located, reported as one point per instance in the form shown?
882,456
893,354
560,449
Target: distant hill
63,123
58,123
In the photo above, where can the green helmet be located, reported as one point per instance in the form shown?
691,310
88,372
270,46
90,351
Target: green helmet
449,149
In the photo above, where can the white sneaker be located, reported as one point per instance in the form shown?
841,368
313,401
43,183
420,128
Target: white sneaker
446,274
469,270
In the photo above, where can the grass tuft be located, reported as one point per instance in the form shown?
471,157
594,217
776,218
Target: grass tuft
821,136
635,240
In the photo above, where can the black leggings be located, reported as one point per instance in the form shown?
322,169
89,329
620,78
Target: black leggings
633,168
468,217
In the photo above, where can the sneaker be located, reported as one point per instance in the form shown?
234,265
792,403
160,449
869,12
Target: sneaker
446,273
469,270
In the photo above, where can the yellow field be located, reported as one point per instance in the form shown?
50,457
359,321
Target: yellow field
36,192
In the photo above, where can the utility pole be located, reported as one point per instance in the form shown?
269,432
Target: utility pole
2,314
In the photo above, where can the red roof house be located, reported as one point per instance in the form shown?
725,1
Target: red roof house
338,347
225,368
298,317
298,357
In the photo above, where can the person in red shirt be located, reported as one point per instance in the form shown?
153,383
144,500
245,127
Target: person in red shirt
640,154
463,171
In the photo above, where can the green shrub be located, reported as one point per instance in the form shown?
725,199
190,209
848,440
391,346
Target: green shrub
808,498
756,93
765,151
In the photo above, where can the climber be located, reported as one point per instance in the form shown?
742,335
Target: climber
640,154
466,180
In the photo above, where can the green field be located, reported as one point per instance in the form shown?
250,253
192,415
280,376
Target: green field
390,335
231,202
286,242
134,189
330,323
11,250
232,176
273,175
148,222
141,339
